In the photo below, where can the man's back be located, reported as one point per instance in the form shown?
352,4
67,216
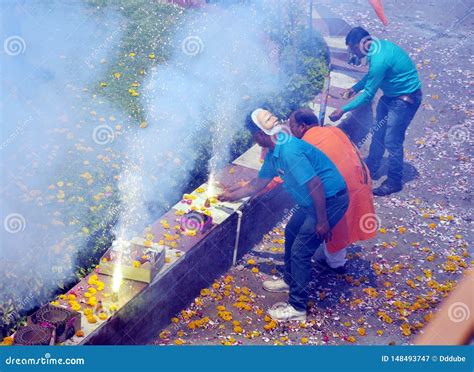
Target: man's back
401,75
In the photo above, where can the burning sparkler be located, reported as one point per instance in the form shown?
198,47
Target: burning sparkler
116,281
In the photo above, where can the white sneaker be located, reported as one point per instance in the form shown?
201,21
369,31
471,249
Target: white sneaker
283,311
278,285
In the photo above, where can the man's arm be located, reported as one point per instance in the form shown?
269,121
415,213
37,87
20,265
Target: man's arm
316,190
371,82
252,188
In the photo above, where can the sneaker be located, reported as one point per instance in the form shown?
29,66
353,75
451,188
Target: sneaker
277,286
283,311
338,270
387,188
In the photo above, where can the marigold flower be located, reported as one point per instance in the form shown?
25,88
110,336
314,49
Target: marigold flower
8,341
102,316
272,324
80,333
304,340
406,329
361,331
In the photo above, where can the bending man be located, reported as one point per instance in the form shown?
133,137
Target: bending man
320,193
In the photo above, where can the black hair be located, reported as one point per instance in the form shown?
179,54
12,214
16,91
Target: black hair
355,35
305,116
250,125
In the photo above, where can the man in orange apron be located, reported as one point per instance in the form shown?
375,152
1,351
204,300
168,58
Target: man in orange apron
360,221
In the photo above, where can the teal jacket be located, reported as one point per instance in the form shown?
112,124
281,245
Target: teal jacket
390,69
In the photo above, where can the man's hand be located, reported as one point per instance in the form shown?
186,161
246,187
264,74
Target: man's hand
227,196
348,93
336,115
323,231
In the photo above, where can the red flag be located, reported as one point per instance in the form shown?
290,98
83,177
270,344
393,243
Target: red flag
378,7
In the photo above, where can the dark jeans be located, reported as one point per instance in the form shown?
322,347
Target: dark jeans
300,244
391,122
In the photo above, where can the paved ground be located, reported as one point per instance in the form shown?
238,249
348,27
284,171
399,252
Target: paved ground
394,282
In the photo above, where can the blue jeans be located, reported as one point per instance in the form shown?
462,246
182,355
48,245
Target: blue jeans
391,122
300,244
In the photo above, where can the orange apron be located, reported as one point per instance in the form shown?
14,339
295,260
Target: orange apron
347,159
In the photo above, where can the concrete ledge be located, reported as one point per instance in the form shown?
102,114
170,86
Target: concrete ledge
150,310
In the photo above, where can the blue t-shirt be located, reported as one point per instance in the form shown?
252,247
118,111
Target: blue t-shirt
297,162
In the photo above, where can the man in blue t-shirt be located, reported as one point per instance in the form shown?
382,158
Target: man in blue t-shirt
321,196
391,70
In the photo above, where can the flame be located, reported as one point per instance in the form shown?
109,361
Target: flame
117,278
211,186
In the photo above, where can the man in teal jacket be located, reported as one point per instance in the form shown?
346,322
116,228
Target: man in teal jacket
392,70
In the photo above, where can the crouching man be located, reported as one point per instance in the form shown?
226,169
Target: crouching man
321,196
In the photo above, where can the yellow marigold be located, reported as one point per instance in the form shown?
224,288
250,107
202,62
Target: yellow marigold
361,331
87,311
238,329
255,270
304,340
136,264
102,316
272,324
91,319
251,262
80,333
406,329
228,279
371,292
8,341
179,341
351,339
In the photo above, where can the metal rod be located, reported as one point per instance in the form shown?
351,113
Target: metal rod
237,236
